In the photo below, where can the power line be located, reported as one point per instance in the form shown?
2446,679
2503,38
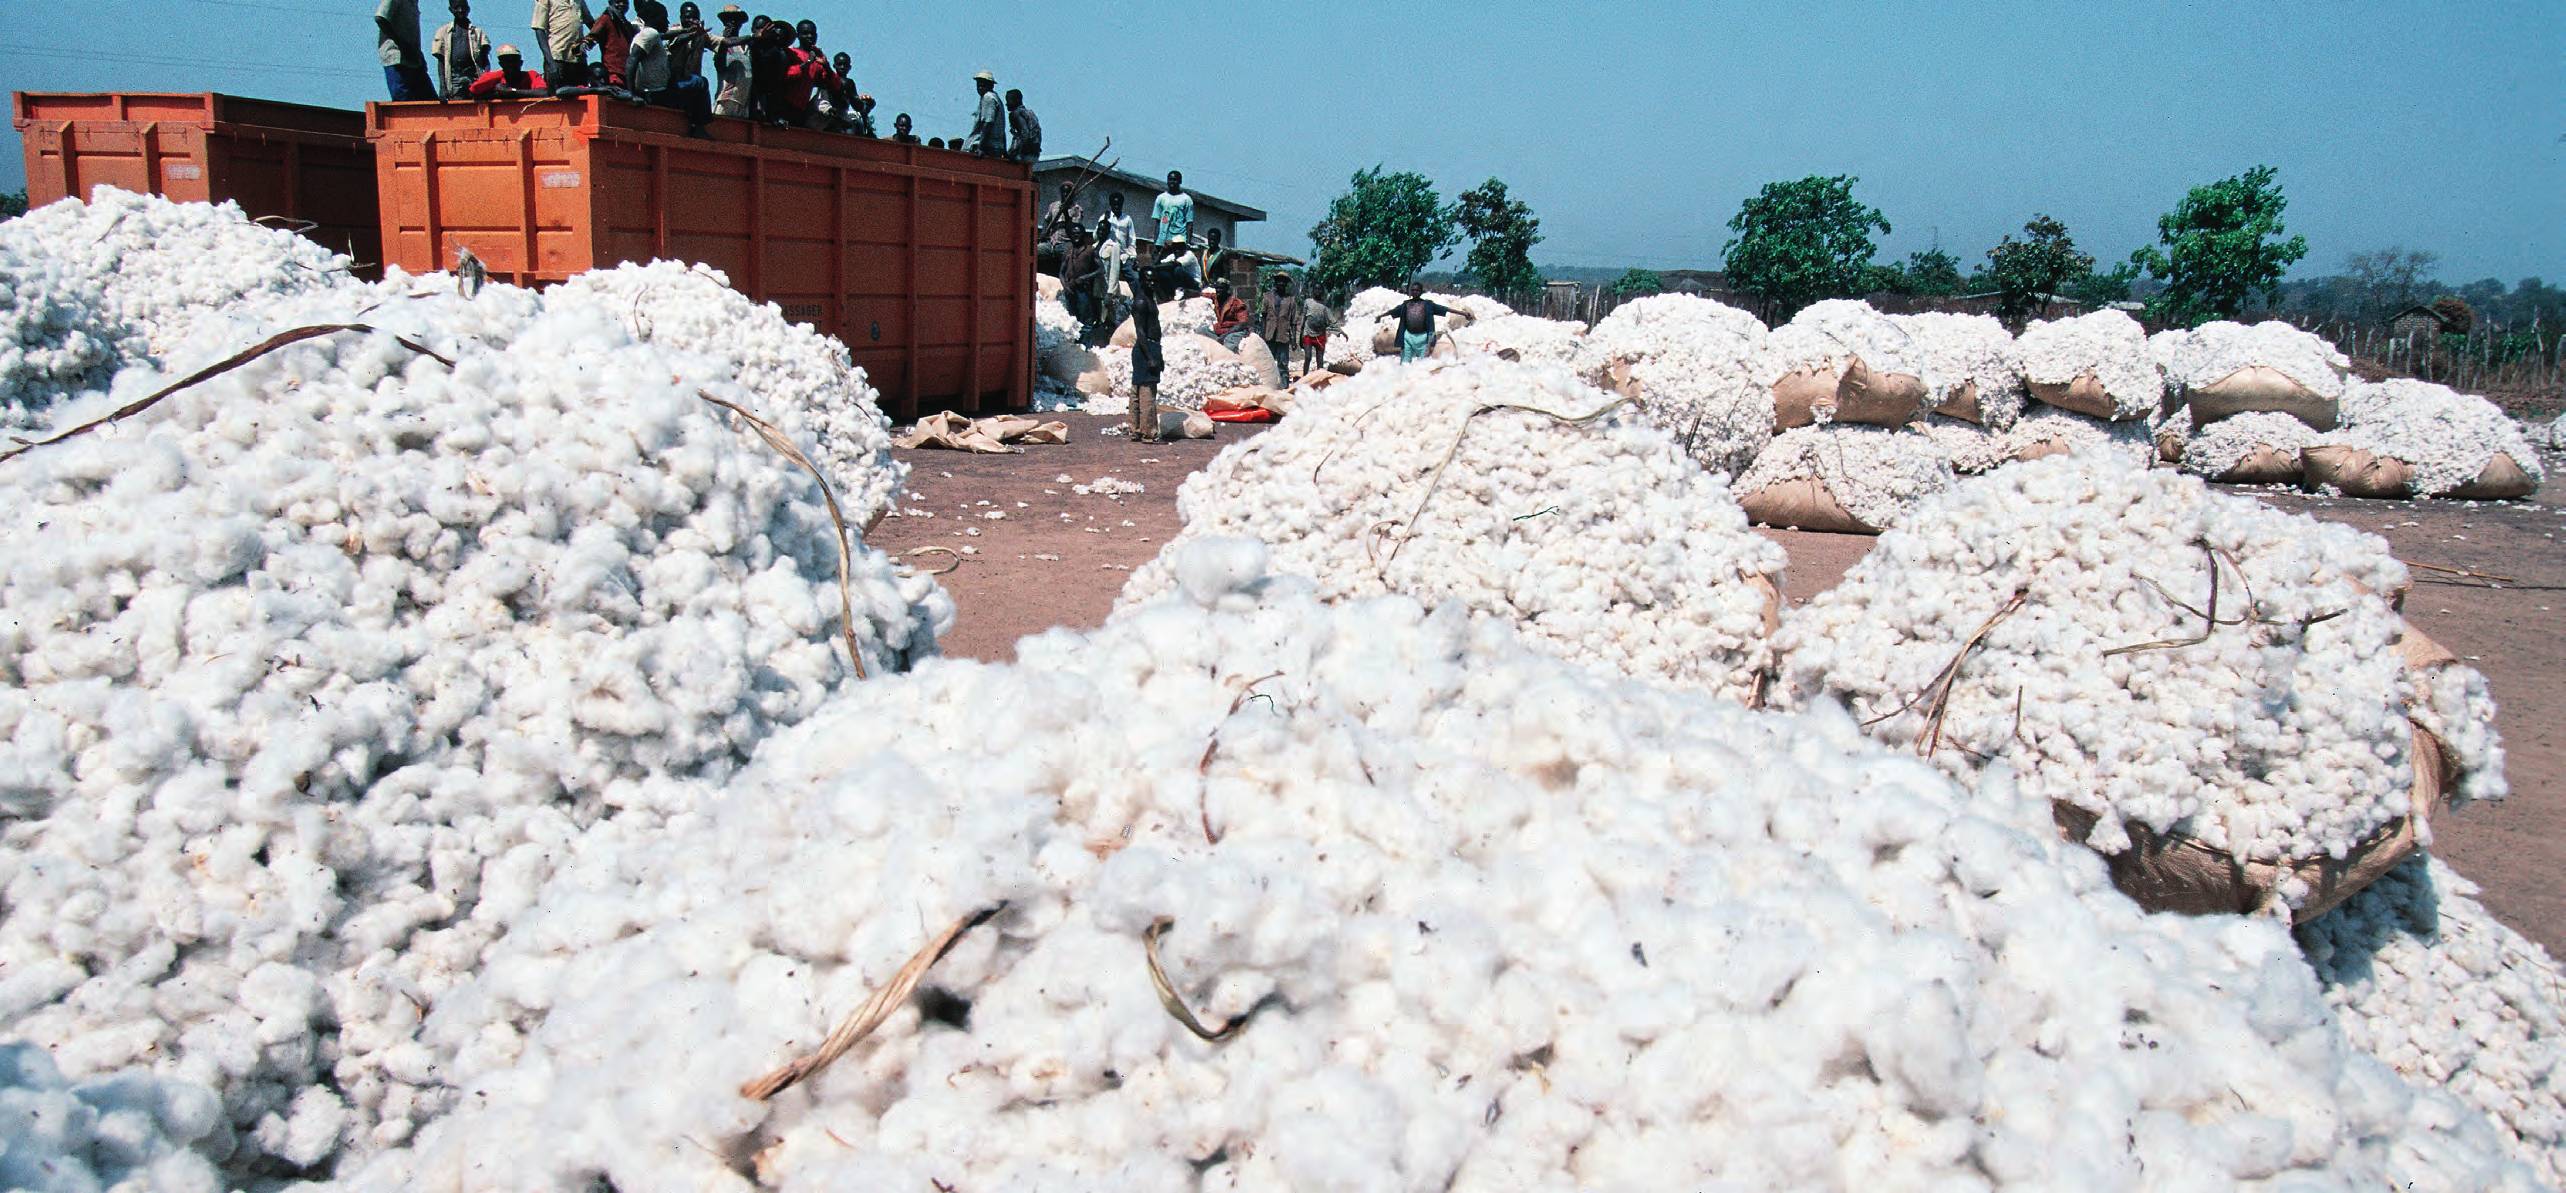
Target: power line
176,61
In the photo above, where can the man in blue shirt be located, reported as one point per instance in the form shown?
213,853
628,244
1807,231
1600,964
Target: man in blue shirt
1174,212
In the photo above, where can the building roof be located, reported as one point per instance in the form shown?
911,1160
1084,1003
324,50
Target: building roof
1050,165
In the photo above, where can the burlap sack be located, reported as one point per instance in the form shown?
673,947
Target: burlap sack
1068,362
2178,874
954,432
2084,395
2040,451
1186,424
1962,404
2502,480
1385,339
1254,353
2170,443
1212,349
1314,382
2360,473
1046,286
1867,395
1804,504
2264,466
1344,368
1798,394
1616,378
1125,335
2256,388
1096,382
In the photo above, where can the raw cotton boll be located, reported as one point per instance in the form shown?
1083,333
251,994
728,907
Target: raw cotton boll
1533,340
1344,354
1691,363
1196,367
1969,447
1809,366
1875,474
803,381
1600,542
2043,431
2073,592
87,288
2446,443
131,1131
1459,916
2097,364
1969,365
2422,977
2257,448
2206,355
309,672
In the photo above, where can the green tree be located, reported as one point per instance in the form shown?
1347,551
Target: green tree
2029,270
1383,230
1635,282
13,203
2103,289
1932,271
1800,241
1502,232
2218,248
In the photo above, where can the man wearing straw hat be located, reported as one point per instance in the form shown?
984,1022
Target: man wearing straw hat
989,120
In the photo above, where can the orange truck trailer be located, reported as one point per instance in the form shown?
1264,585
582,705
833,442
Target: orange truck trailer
920,260
290,165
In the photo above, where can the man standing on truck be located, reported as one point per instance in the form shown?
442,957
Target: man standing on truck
560,27
1025,126
902,131
396,34
1114,235
989,120
460,50
612,34
1174,211
732,64
653,71
687,43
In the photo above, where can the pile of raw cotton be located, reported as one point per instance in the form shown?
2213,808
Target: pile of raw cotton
1530,338
1256,892
1840,361
2407,438
1182,317
126,1132
2222,368
1595,537
2421,976
2040,432
1195,368
1691,363
2158,659
1969,365
2098,365
1843,477
804,378
2260,448
309,671
87,288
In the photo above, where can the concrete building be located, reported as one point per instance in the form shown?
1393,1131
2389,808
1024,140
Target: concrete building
1138,192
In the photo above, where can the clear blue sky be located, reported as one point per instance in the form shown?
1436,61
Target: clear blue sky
1635,129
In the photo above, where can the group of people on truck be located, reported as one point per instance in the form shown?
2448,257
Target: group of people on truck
754,68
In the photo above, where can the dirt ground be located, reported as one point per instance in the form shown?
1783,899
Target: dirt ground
1057,557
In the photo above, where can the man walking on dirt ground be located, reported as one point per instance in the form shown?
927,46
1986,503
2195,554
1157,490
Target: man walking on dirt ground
1148,357
1416,323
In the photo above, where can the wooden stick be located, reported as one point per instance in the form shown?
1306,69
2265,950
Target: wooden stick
776,438
857,1026
1167,996
270,344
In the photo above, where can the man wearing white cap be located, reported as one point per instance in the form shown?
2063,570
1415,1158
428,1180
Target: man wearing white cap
989,121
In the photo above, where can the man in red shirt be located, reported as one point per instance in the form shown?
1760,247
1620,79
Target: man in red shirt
1229,316
613,37
512,80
